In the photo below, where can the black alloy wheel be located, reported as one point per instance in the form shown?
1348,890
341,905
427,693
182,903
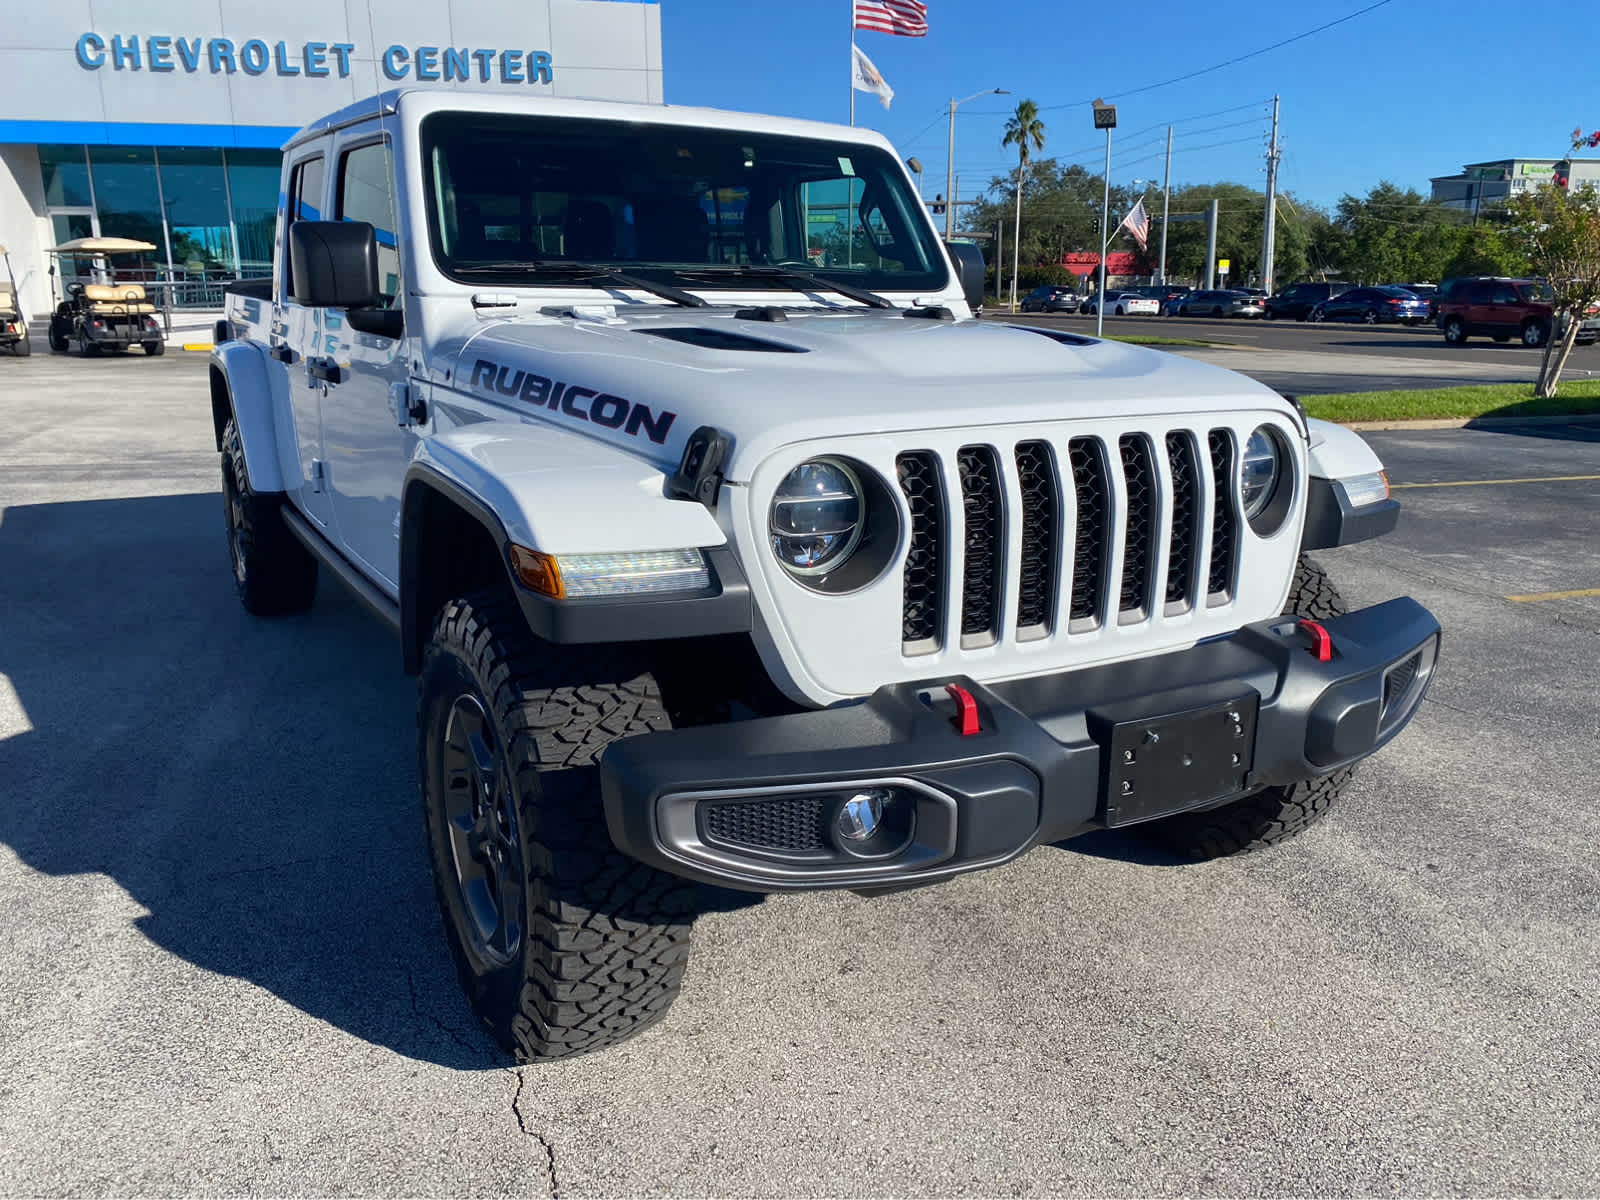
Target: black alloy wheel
486,851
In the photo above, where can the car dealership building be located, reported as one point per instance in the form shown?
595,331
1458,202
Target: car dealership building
162,122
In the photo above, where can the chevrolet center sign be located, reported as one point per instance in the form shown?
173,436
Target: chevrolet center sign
165,54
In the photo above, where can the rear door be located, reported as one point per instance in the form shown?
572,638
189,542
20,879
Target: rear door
367,447
1505,310
295,334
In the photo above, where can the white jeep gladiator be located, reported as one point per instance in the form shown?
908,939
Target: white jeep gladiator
730,549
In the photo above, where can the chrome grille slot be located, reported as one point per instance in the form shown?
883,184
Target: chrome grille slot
1224,520
1089,542
1041,531
923,609
1139,528
983,543
1184,543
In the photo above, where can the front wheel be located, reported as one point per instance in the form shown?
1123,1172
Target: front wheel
1535,333
563,943
1318,316
1273,814
1369,317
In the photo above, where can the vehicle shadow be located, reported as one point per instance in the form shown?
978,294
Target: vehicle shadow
250,783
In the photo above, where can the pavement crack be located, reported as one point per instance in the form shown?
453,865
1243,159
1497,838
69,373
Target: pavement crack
455,1035
545,1143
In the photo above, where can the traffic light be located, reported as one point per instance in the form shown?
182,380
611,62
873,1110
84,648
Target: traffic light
1094,225
936,204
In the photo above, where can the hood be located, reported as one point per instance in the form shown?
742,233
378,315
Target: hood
645,377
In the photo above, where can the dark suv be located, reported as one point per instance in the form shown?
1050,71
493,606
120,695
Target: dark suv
1501,308
1298,299
1051,298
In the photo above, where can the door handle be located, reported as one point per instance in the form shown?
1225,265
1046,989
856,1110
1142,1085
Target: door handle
325,369
282,353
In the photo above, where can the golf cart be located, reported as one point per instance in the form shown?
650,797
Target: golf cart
13,329
103,315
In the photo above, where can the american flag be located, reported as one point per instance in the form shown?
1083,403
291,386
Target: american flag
907,18
1137,222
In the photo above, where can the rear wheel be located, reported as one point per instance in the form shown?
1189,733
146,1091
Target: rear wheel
1455,332
1273,814
23,347
1369,317
272,572
563,944
1318,315
155,348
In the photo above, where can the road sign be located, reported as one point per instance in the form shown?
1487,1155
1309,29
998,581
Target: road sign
1223,264
1105,115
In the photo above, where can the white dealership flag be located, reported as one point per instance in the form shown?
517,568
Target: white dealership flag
904,18
1137,222
865,77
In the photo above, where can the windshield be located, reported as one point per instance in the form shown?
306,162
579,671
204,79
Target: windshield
662,201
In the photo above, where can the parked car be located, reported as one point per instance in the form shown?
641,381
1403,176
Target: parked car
1217,304
1298,299
1123,304
1050,298
1163,293
1501,308
1373,306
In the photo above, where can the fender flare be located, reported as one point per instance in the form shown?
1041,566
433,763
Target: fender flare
241,388
1337,453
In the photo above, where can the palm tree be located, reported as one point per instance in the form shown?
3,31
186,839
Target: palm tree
1026,132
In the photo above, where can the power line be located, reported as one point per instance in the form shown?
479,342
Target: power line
1289,41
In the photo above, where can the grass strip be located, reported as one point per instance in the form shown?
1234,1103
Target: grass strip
1580,396
1141,339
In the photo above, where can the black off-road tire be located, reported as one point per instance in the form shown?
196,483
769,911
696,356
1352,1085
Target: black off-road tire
603,939
272,572
1273,814
57,339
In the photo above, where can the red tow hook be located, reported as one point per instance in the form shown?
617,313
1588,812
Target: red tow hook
1321,643
966,718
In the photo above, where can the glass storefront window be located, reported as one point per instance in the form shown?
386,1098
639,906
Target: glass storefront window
196,195
129,204
253,185
66,176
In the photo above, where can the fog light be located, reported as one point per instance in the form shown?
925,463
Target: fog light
862,814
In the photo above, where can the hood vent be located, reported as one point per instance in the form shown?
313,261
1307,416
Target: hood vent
722,339
1056,335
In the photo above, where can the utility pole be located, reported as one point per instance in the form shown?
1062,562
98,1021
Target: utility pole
950,150
1211,244
1105,117
1269,241
999,257
1166,201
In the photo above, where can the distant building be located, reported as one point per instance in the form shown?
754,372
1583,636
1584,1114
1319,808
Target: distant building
1487,185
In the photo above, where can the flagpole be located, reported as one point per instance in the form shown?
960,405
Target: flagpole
852,62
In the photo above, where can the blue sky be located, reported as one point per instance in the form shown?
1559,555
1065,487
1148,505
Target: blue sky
1411,89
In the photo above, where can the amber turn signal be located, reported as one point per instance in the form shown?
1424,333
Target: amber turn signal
537,571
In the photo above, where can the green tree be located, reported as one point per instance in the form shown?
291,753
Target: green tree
1559,231
1025,131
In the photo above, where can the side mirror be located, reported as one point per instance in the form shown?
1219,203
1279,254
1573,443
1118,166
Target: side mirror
334,264
968,260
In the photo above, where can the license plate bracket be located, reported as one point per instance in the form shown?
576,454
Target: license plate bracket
1172,761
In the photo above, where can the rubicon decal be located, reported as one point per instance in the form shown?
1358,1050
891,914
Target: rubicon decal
573,400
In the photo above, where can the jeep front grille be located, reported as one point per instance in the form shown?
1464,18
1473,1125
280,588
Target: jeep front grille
1095,550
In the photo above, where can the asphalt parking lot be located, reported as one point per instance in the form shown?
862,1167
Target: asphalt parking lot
222,972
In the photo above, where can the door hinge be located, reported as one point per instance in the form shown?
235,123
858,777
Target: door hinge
407,404
319,474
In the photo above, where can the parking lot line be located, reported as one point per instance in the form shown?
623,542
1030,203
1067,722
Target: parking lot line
1489,482
1535,597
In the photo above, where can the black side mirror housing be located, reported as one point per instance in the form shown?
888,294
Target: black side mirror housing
968,260
334,264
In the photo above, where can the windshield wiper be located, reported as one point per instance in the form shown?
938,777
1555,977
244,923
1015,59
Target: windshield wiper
591,273
787,275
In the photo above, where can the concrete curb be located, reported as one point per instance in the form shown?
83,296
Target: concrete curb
1471,422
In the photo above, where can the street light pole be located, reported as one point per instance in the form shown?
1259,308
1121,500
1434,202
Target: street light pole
1105,117
950,159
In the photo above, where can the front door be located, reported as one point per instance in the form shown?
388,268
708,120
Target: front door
297,336
366,445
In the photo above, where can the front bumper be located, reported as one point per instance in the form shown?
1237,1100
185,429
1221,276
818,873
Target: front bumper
757,805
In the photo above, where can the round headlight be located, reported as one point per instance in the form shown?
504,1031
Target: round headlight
1259,468
817,516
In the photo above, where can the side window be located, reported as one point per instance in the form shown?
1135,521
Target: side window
304,204
366,193
1504,294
